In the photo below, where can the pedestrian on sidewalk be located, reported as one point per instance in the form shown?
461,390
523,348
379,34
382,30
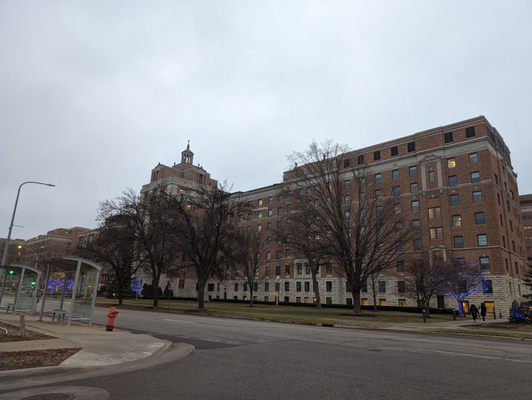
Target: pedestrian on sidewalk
483,311
474,312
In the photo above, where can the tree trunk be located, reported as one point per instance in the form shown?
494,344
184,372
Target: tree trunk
316,287
201,295
374,292
251,295
355,292
155,285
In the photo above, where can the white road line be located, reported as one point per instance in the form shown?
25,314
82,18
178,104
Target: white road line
467,355
178,320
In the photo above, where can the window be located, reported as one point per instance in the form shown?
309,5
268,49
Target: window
396,190
400,266
398,227
394,150
266,286
378,178
453,181
377,155
287,286
347,184
432,176
484,262
270,200
347,162
456,220
260,203
416,225
458,242
347,199
245,287
307,286
278,267
395,174
480,218
417,244
401,287
413,187
268,255
397,208
482,239
414,204
412,170
496,179
436,233
287,267
360,159
473,158
448,137
298,286
379,210
347,215
411,146
280,211
280,198
236,287
434,212
475,177
451,163
270,212
477,196
487,286
455,200
328,286
401,302
382,286
470,132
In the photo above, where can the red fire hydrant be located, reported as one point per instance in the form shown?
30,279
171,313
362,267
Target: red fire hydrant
111,315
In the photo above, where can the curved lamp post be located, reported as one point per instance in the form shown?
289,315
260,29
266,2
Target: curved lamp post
6,248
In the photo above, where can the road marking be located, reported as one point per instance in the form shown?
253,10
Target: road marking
467,355
178,320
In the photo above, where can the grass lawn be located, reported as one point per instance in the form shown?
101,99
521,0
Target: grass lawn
302,315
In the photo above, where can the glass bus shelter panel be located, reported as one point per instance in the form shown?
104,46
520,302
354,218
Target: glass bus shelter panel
86,290
11,282
58,295
27,295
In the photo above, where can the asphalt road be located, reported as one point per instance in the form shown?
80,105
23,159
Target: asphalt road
239,359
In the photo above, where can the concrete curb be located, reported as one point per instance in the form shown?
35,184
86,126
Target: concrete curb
46,375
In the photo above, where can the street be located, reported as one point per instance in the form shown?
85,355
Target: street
240,359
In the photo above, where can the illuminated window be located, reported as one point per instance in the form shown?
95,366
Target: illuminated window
451,163
436,233
457,220
434,212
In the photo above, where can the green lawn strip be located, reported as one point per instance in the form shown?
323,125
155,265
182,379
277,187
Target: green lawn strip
484,332
310,315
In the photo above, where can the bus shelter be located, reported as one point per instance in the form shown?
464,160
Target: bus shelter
70,288
19,287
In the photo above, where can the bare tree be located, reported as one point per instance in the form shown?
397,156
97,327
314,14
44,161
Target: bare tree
114,245
205,227
149,219
357,216
460,279
248,247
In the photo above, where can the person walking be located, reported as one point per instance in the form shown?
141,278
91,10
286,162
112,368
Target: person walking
483,311
474,312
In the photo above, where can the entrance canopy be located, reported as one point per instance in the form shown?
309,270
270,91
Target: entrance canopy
68,289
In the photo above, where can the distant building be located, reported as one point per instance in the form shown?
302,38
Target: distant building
457,186
57,242
526,217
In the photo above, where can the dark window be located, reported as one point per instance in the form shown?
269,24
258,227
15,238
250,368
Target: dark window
328,286
245,287
411,146
413,187
487,286
307,286
401,287
475,177
287,268
448,137
360,159
400,266
287,286
482,240
453,181
378,178
394,151
417,244
458,242
416,224
455,200
470,132
395,174
376,155
473,158
484,262
480,218
236,287
266,286
347,162
414,205
477,197
412,170
298,286
278,268
396,190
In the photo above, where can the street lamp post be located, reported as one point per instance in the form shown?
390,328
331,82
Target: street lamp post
6,248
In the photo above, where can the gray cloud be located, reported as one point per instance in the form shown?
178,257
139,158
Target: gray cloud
94,94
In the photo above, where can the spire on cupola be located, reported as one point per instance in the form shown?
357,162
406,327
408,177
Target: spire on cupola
187,156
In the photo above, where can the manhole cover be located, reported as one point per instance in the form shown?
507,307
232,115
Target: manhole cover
50,396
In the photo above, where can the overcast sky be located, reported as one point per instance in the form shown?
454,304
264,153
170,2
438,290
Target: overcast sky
93,94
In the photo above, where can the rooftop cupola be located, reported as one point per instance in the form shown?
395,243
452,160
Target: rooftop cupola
187,156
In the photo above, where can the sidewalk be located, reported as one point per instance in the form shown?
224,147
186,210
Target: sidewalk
98,349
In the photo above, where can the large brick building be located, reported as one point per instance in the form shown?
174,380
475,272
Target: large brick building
455,184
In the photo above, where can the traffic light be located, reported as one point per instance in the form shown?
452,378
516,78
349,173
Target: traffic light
33,282
11,272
